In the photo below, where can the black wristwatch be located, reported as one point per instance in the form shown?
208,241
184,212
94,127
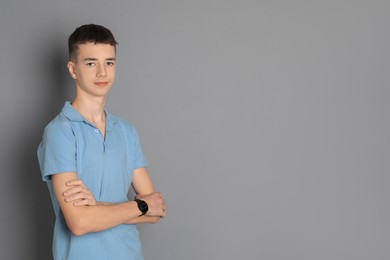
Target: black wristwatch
142,206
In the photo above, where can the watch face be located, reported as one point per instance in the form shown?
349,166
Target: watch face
142,206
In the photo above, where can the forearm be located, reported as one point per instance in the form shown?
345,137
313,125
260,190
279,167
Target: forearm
84,215
136,220
143,220
90,218
101,217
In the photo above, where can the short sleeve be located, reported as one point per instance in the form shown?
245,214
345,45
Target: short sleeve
139,158
57,150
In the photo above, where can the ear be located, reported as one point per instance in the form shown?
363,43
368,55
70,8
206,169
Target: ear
72,70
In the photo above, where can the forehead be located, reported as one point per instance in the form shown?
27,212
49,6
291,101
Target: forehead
95,51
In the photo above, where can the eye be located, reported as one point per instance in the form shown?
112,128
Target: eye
110,63
90,64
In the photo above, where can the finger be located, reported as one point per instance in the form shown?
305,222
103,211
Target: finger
78,196
76,189
75,182
158,194
84,202
79,203
73,198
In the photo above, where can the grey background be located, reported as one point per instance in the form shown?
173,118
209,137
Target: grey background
265,123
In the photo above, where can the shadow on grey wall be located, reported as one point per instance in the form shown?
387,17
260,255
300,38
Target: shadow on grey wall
52,94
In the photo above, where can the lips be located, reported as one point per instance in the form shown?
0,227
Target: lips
101,84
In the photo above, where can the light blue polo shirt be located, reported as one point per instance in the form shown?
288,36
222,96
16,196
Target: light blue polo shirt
72,144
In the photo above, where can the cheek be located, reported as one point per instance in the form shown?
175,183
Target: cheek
83,79
113,72
85,75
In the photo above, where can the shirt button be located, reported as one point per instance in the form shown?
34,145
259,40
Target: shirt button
96,130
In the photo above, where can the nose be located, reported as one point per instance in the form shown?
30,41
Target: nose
101,71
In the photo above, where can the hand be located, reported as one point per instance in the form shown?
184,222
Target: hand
79,194
153,220
156,203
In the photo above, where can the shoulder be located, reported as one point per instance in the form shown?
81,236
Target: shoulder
122,123
59,126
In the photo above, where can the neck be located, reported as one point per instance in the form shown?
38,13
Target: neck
91,109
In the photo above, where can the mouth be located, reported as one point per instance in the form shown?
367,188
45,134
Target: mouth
101,84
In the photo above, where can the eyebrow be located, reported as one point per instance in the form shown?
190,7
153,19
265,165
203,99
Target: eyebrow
94,59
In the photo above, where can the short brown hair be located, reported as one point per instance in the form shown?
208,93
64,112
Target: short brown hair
89,33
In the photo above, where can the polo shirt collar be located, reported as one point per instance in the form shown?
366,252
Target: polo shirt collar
73,115
111,120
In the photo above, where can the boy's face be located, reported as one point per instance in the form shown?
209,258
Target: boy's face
93,68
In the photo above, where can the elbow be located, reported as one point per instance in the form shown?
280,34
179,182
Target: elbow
78,227
78,232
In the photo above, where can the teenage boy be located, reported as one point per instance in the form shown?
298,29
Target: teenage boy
89,158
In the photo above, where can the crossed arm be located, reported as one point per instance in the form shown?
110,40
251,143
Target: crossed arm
84,215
